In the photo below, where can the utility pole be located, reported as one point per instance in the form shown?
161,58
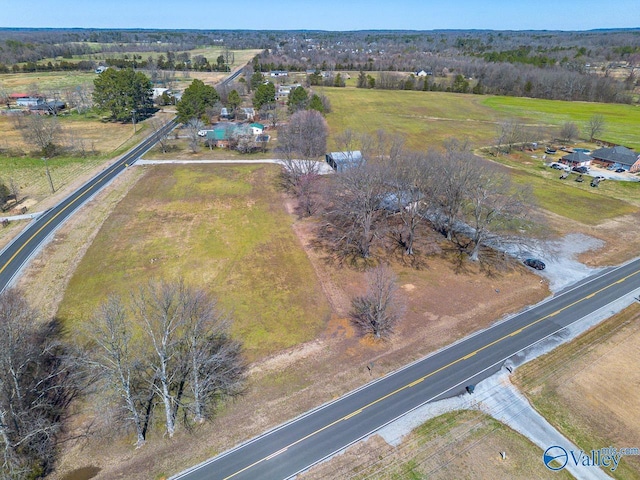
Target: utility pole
133,119
46,167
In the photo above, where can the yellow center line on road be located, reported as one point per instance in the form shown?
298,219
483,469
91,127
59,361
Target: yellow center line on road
421,379
30,239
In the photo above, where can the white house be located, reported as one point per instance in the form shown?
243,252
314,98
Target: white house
256,128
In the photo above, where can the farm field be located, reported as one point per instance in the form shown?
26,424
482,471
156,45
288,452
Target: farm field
586,388
425,119
216,227
428,118
45,82
621,121
101,141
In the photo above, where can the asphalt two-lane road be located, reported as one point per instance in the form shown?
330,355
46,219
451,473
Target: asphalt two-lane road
318,434
15,256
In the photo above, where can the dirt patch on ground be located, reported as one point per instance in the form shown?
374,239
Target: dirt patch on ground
621,241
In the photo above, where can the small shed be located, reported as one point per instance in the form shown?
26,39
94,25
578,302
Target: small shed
341,161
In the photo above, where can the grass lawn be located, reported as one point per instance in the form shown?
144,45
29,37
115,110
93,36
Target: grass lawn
586,388
224,228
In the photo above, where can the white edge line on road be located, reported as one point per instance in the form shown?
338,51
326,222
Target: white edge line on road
275,429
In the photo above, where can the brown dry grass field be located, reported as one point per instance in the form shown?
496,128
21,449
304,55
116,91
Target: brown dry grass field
465,444
588,388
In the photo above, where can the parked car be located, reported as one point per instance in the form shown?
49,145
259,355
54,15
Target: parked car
581,169
203,133
535,263
550,150
620,170
557,166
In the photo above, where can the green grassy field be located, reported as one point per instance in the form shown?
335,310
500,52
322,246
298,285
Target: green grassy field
621,121
45,81
424,119
223,228
427,119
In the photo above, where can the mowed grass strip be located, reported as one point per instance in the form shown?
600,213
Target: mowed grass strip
221,228
585,388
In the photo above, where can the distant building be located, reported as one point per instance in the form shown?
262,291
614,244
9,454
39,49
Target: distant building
278,73
29,101
256,128
48,108
341,161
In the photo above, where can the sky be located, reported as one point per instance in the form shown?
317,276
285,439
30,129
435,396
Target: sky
337,15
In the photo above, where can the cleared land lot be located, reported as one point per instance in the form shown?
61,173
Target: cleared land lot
223,228
227,228
187,223
588,388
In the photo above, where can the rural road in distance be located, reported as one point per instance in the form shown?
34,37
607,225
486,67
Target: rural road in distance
16,255
316,435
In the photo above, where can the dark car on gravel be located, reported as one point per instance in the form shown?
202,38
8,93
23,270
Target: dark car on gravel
535,263
581,169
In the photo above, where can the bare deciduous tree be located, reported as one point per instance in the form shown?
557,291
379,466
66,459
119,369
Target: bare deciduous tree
41,131
569,132
410,183
493,207
163,140
117,363
38,381
300,178
453,173
596,126
354,214
510,133
379,309
184,356
193,126
306,134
